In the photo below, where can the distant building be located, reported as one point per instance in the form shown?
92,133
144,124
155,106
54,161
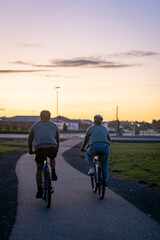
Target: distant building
106,124
25,123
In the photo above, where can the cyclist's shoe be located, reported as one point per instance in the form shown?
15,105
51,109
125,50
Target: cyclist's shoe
91,172
39,193
54,176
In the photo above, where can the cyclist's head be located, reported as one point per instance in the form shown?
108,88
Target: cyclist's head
98,119
45,115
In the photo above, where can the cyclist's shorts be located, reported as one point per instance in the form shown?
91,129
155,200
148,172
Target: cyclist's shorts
43,153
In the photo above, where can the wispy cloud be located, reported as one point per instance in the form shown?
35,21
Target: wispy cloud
77,62
32,64
135,53
88,62
95,62
2,109
21,71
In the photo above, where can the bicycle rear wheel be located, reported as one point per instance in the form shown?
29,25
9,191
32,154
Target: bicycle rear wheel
94,181
47,190
101,183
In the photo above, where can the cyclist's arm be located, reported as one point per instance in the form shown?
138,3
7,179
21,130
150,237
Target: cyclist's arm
86,139
30,140
57,139
109,139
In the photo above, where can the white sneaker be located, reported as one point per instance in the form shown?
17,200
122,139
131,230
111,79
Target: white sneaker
91,171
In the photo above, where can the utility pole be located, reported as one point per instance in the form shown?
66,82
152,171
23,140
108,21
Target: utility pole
117,121
57,103
116,113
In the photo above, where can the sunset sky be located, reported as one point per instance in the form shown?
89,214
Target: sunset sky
102,54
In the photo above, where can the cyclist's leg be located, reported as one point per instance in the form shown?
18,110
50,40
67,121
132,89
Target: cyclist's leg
53,163
39,175
39,172
52,153
53,167
90,155
104,161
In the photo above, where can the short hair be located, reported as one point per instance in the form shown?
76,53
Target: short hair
45,114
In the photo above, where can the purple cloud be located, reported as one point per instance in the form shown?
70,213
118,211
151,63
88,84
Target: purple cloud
21,71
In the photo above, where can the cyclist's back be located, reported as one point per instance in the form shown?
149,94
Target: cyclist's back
44,133
98,134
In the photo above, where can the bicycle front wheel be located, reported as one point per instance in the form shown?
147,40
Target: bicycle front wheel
47,190
94,181
101,183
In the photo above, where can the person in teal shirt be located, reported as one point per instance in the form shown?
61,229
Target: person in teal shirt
98,138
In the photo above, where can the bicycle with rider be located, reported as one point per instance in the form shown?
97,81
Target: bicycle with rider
45,135
99,142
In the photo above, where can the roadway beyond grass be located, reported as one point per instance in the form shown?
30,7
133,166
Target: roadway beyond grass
139,162
12,145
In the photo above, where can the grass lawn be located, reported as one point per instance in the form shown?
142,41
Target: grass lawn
12,146
139,162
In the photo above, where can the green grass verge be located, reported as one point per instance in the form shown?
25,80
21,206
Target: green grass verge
139,162
12,146
14,131
148,132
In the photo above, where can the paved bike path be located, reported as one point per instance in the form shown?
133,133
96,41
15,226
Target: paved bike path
76,213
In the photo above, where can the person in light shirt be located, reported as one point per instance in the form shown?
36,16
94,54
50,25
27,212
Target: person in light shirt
45,135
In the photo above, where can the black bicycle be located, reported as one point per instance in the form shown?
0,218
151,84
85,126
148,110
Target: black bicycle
98,179
47,184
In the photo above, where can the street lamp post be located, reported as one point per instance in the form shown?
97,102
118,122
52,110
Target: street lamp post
57,103
117,120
